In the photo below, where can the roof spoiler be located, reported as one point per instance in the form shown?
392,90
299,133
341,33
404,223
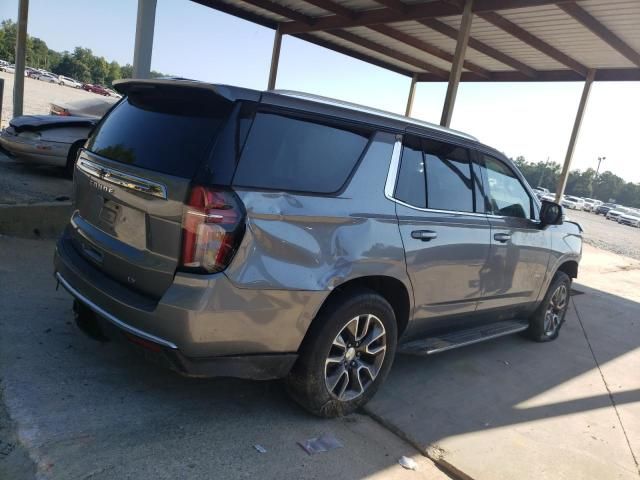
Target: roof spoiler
127,86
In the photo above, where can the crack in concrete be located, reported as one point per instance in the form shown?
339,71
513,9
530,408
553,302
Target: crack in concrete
606,385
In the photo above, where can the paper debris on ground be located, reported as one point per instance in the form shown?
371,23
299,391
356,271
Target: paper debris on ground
323,443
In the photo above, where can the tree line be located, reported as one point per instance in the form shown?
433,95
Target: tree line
80,64
606,186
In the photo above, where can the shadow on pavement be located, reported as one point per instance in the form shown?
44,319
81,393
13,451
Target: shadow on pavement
511,405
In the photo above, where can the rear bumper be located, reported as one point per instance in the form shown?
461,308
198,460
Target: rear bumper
203,326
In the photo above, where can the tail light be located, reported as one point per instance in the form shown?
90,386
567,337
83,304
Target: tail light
212,229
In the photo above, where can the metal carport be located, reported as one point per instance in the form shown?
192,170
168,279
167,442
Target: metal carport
446,40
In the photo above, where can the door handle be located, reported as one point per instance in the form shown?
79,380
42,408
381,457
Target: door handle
502,237
424,235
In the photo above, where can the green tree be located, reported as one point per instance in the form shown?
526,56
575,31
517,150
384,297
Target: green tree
80,64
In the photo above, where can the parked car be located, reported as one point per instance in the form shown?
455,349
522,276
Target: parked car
91,107
591,204
68,82
95,89
614,214
8,68
574,203
605,207
46,77
46,139
549,197
306,241
540,191
631,218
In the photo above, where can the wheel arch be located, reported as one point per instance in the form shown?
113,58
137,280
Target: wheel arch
391,289
570,267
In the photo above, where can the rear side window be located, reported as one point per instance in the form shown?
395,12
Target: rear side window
411,186
165,130
449,184
284,153
435,175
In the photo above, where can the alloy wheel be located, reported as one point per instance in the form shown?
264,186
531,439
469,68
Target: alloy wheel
356,357
555,310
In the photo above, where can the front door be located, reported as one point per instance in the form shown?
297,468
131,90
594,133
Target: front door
514,274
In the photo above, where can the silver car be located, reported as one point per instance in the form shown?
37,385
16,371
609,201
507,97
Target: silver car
47,139
229,232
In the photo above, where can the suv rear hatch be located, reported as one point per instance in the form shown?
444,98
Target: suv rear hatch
134,177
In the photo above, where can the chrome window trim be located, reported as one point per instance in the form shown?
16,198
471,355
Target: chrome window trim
122,179
116,321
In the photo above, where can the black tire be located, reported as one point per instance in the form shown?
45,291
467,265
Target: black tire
72,156
308,381
541,327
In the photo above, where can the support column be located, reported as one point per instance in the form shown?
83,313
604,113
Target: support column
275,59
412,93
562,183
458,61
20,60
143,48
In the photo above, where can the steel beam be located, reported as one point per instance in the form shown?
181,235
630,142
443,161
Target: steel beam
562,183
275,59
458,63
533,41
20,60
412,93
481,47
396,13
143,48
596,27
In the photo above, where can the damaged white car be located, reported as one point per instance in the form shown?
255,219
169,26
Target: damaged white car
47,139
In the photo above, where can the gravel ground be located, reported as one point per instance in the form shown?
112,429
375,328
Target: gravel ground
608,235
37,96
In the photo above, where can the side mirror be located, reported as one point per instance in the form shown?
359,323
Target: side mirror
550,214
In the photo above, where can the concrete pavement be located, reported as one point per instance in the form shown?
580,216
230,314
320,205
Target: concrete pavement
504,409
511,408
80,410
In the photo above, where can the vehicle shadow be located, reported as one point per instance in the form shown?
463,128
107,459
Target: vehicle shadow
85,409
517,394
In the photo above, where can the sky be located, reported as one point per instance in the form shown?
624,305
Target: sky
193,41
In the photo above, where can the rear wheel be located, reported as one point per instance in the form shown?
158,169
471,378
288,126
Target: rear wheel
545,323
346,355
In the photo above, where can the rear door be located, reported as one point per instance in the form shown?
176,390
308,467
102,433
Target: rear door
446,238
132,180
520,249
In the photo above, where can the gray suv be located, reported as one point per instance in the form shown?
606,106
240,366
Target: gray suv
230,232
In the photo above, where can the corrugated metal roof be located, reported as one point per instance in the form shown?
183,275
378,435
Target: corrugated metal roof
520,40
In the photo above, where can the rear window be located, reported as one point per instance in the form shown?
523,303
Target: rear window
283,153
167,130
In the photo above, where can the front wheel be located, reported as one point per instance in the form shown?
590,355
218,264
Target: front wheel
545,323
346,355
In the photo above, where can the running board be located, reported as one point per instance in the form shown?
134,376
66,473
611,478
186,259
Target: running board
462,338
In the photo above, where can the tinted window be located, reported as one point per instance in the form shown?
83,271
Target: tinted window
410,187
449,184
169,130
506,195
284,153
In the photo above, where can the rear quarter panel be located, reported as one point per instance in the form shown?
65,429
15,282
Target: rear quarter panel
317,242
